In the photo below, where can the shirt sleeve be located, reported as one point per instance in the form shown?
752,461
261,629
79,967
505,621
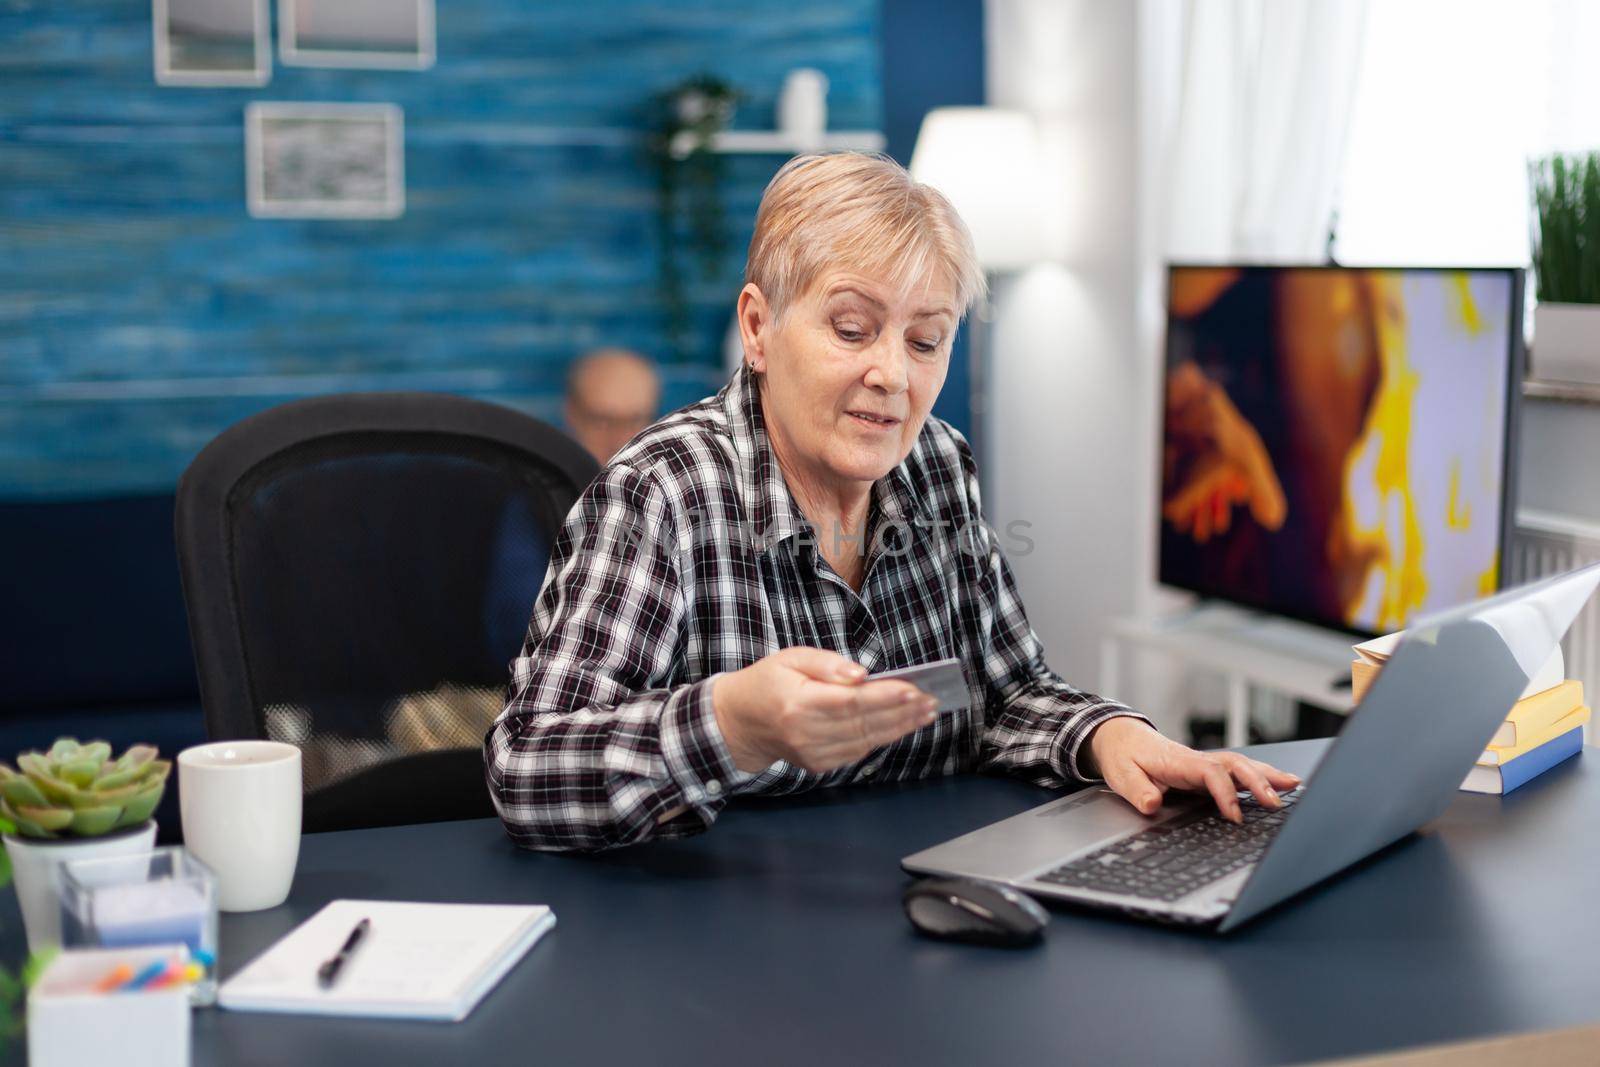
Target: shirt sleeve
593,746
1035,723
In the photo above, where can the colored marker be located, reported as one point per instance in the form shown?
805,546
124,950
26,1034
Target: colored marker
145,977
114,978
171,976
179,974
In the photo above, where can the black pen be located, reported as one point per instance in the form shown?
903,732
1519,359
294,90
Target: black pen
328,973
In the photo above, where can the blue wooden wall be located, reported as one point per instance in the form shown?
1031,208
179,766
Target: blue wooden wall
142,310
933,57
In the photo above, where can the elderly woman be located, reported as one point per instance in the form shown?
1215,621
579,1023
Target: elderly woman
724,588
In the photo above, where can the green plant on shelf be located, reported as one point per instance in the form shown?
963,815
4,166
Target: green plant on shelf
80,791
1566,237
685,121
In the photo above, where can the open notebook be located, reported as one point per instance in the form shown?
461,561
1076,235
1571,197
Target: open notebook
417,961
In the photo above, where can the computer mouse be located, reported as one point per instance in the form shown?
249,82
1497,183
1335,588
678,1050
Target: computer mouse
983,913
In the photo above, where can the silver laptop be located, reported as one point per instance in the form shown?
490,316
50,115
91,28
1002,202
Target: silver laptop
1396,765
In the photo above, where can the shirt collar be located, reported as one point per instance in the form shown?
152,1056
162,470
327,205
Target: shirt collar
774,515
772,509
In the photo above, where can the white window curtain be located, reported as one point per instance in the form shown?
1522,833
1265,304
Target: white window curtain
1252,121
1244,111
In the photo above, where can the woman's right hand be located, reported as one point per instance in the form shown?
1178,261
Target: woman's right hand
812,709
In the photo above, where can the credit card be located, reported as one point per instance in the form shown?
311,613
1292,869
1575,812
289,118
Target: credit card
941,679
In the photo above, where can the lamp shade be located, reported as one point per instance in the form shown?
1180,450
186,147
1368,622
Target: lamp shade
986,160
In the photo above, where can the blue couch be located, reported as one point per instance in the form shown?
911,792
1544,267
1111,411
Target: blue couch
94,641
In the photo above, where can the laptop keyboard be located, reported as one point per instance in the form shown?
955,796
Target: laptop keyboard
1173,859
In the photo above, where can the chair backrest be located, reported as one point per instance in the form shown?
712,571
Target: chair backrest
359,571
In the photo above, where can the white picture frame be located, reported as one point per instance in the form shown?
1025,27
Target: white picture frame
204,43
382,34
324,161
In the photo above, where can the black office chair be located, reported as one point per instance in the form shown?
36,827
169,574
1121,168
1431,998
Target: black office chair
359,571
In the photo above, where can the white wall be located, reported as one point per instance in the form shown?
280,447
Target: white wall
1070,425
1556,466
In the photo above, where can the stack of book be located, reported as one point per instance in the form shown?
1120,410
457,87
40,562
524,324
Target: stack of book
1545,726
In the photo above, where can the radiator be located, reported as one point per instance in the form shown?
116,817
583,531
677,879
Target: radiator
1546,543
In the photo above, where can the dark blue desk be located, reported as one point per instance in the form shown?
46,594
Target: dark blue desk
778,938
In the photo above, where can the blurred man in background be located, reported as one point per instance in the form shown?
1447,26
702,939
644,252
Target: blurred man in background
612,394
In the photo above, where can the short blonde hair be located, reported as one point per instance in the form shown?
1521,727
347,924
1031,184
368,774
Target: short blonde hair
863,212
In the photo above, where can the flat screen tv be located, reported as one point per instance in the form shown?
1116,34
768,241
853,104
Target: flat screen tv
1337,442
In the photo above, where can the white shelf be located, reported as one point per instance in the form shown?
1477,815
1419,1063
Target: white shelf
1248,649
774,142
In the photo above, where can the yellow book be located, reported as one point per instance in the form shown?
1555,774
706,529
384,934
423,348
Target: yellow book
1532,714
1496,755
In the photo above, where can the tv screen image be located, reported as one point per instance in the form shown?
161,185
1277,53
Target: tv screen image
1335,440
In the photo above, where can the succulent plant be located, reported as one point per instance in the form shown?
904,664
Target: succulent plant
80,791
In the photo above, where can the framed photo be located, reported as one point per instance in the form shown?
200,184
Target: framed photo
211,42
325,161
392,34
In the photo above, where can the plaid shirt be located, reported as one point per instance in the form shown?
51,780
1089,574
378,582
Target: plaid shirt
686,557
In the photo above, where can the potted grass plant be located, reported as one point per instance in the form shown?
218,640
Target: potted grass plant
71,803
1566,262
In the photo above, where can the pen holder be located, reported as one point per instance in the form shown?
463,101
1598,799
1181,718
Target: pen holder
161,897
72,1020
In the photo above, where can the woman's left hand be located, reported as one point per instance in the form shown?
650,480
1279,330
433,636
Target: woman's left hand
1141,765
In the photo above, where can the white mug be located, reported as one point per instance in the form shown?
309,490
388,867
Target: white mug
241,817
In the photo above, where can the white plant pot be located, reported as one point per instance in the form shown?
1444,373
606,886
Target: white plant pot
1566,342
33,870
